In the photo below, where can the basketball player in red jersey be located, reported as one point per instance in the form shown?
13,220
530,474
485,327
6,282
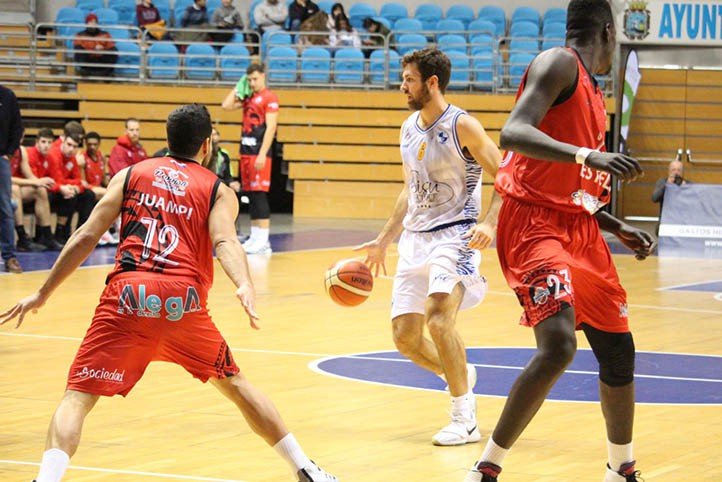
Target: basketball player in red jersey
260,120
174,213
555,179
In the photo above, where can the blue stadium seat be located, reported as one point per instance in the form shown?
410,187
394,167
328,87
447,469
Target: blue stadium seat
481,26
118,33
518,62
164,9
235,59
125,10
497,16
483,41
482,66
377,66
385,21
315,65
211,6
523,28
555,15
408,25
451,43
88,6
106,16
460,70
409,42
348,66
326,6
523,45
128,64
163,61
554,30
429,15
527,14
358,12
393,11
179,7
251,17
461,12
274,38
282,64
549,43
200,62
68,15
450,25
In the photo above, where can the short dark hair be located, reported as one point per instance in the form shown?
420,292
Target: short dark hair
73,127
368,21
92,135
587,18
131,119
430,61
45,133
187,127
255,67
75,136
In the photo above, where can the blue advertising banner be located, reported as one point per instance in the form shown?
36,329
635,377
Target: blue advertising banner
691,224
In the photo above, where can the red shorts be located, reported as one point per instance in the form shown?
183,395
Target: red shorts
142,317
553,259
253,180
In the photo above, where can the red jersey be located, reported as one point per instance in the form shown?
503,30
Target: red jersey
581,120
255,109
64,170
39,164
15,164
164,218
94,168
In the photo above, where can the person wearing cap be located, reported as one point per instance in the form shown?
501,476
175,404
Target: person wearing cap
94,49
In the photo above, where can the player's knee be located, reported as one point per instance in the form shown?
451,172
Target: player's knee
439,324
406,340
615,353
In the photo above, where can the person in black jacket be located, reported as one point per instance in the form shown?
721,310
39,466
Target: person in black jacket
299,11
11,131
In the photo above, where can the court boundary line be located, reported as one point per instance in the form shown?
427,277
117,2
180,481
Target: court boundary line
128,472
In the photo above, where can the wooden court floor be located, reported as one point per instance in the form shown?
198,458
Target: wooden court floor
172,427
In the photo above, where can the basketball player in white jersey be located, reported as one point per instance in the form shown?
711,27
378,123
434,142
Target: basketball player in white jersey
443,151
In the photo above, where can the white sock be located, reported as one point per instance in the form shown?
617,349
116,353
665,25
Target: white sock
461,404
53,466
254,232
493,453
292,453
618,454
263,235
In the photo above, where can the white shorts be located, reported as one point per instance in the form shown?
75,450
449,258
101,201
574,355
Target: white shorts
435,262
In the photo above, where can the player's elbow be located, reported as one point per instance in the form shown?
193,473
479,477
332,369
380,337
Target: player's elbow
508,137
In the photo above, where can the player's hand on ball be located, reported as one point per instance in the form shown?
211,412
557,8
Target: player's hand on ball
624,167
375,256
247,295
480,236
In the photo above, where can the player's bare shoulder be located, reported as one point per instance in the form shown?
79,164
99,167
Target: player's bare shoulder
553,65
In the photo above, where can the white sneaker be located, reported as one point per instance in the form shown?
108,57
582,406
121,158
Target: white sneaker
462,430
255,247
313,473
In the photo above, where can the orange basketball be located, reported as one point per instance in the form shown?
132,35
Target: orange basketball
349,282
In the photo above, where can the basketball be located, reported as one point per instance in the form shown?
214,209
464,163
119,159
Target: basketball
349,282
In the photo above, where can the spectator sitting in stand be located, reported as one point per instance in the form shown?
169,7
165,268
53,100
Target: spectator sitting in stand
194,17
270,15
226,17
336,10
376,41
149,19
343,34
299,11
316,24
128,150
675,175
94,46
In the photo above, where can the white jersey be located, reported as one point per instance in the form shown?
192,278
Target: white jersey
444,185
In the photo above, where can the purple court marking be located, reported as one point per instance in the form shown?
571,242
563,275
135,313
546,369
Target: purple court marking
704,286
661,378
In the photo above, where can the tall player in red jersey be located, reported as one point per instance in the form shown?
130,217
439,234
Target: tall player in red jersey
554,180
260,120
174,213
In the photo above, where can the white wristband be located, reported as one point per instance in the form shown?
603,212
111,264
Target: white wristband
582,154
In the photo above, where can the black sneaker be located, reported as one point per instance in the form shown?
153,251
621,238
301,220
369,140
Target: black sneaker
627,472
27,246
483,472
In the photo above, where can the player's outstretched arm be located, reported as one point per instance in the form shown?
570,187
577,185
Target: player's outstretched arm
79,246
551,77
474,139
641,242
221,227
